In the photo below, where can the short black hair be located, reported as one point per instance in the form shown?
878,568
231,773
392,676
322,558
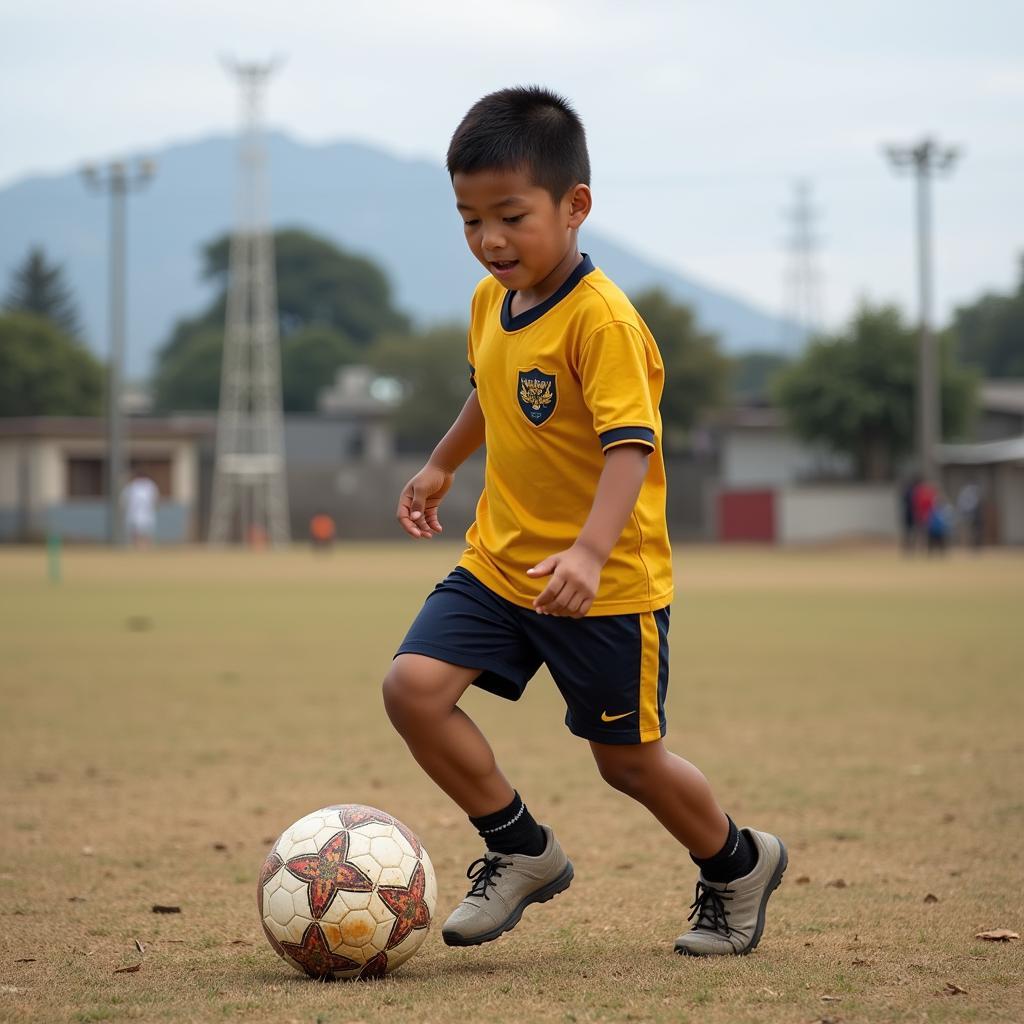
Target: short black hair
523,127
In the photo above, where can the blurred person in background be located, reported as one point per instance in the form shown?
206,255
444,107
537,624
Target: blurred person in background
139,500
908,521
923,498
939,525
969,510
321,532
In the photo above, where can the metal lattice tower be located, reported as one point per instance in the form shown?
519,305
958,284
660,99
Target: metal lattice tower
250,496
803,281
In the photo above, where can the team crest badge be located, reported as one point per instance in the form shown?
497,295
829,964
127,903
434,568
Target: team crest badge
537,395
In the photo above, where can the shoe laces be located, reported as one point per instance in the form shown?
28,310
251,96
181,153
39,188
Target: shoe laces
709,908
483,871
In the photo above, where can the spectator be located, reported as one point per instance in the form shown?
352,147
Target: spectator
969,511
139,500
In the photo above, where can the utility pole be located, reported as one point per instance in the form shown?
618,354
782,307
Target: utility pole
250,497
925,159
803,282
117,180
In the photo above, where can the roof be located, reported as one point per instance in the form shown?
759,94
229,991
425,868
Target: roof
96,426
1002,396
985,454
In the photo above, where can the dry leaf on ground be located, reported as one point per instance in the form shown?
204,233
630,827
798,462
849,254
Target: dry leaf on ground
139,946
26,960
803,880
954,990
128,970
159,908
931,898
831,999
997,935
836,883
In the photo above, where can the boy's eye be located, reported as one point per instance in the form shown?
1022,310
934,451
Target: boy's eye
514,220
470,223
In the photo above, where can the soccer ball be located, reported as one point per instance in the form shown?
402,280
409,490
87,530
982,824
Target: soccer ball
347,892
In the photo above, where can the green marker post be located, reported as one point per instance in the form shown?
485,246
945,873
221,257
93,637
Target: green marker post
53,546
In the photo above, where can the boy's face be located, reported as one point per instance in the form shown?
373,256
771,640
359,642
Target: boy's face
515,228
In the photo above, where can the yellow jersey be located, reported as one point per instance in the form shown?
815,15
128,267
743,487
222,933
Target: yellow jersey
559,385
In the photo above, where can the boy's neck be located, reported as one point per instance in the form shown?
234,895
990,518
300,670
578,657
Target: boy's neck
545,288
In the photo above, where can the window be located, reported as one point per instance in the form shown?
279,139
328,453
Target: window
85,478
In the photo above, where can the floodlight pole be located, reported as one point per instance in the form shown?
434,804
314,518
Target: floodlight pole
926,158
117,181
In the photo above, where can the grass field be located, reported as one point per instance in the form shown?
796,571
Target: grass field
164,716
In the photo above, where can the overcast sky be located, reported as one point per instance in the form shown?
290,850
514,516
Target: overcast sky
700,113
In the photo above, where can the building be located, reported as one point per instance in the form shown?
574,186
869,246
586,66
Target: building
994,463
52,474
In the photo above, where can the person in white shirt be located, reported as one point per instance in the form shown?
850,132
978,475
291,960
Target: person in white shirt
139,500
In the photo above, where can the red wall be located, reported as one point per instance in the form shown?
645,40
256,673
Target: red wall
746,515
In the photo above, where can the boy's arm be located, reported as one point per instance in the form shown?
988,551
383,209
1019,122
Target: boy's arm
576,572
421,496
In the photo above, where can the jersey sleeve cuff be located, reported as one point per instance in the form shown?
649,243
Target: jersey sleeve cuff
627,435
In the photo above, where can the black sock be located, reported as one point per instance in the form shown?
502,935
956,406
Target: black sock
511,830
734,860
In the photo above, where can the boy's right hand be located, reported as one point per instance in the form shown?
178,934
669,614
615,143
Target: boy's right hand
420,500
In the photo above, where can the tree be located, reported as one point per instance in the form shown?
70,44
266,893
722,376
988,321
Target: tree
309,362
320,283
188,373
856,391
38,287
754,372
696,372
44,372
989,333
434,374
331,304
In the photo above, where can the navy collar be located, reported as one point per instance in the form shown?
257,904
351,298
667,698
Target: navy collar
515,323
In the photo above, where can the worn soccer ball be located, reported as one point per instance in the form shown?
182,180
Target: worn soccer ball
347,892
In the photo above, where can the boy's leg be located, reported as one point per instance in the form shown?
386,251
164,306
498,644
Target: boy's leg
673,790
740,868
421,695
524,863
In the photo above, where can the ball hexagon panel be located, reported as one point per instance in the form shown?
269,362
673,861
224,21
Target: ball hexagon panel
386,852
357,928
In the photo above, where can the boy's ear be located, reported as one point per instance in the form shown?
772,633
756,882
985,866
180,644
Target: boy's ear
580,202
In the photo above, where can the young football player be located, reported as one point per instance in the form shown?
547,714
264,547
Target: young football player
567,562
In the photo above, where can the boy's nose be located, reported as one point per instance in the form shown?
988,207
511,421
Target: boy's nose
493,242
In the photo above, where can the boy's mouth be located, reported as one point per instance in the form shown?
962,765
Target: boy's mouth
501,267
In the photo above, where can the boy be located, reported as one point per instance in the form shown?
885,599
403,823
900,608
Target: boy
568,561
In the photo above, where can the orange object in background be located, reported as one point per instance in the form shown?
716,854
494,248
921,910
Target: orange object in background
258,538
321,529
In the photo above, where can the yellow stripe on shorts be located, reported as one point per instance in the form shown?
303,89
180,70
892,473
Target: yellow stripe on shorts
650,649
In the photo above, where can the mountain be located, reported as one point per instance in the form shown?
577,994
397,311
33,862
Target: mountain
397,211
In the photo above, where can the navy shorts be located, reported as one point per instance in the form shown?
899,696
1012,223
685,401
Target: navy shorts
612,670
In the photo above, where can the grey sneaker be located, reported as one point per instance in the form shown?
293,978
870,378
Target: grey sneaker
730,915
504,885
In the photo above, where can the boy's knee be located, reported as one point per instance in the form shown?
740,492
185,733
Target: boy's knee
408,693
627,776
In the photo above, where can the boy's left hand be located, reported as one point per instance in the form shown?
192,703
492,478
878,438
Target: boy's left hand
575,575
